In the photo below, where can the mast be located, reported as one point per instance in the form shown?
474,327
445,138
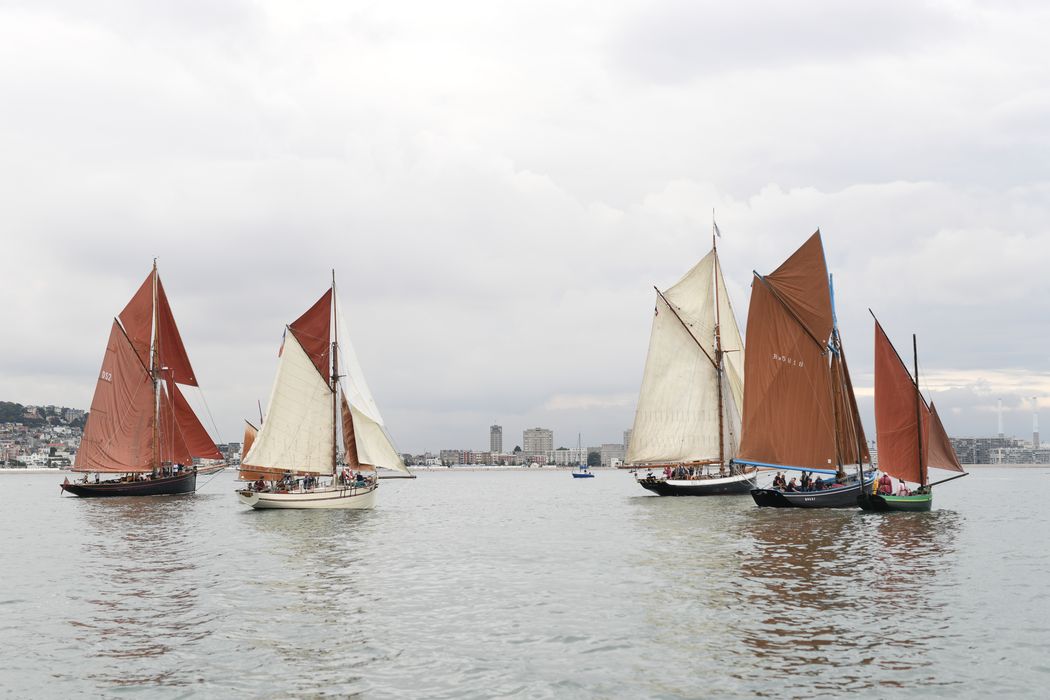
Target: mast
335,381
153,362
918,410
718,350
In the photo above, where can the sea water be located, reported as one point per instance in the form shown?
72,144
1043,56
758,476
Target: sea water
527,584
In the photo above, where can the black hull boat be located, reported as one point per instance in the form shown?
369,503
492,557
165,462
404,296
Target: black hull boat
165,486
738,484
835,497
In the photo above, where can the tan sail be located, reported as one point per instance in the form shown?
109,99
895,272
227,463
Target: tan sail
372,443
677,417
297,434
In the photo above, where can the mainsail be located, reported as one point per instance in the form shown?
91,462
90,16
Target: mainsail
692,385
799,409
297,434
904,451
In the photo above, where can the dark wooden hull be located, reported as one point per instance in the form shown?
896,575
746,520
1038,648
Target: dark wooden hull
917,503
183,483
842,497
739,485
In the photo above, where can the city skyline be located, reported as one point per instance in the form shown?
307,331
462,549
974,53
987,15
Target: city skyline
497,227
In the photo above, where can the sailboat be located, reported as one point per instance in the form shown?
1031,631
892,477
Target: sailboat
911,437
800,412
582,471
140,425
294,452
687,423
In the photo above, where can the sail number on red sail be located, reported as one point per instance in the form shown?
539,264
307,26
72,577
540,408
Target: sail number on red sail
788,360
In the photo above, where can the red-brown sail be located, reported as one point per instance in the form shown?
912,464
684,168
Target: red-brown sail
198,442
137,319
349,437
852,443
250,474
119,431
940,454
896,425
313,330
170,349
788,416
802,283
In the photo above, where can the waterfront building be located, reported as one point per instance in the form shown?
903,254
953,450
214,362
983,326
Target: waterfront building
496,439
627,439
612,454
537,441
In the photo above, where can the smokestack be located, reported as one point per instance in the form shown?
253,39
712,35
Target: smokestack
1000,419
1035,422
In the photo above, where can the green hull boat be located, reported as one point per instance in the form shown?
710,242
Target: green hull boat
881,503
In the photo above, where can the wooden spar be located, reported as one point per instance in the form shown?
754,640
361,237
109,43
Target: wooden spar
335,381
153,376
950,478
718,352
918,410
686,327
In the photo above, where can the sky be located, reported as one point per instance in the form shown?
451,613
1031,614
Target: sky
499,186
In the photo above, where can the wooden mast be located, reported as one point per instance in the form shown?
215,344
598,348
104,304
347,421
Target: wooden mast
335,382
918,410
718,351
153,360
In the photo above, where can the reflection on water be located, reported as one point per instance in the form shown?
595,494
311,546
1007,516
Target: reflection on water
138,598
843,595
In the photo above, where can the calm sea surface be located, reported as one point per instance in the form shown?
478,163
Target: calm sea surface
524,584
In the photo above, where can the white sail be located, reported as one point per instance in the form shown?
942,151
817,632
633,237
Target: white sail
677,415
298,433
374,445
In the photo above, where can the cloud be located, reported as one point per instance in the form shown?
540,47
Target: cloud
499,190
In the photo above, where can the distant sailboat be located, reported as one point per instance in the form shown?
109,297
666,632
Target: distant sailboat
800,412
687,424
911,437
140,424
582,470
294,453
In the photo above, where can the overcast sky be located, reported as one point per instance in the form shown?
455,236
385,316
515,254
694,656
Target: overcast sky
499,185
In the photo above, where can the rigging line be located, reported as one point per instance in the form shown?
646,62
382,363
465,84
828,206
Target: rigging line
210,416
210,480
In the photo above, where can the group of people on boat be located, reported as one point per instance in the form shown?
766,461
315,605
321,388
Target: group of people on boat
290,482
807,482
884,487
164,472
693,472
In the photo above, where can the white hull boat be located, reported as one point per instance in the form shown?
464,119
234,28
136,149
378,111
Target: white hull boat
339,497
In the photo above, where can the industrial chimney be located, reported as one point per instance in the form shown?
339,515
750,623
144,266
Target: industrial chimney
1035,422
1000,419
